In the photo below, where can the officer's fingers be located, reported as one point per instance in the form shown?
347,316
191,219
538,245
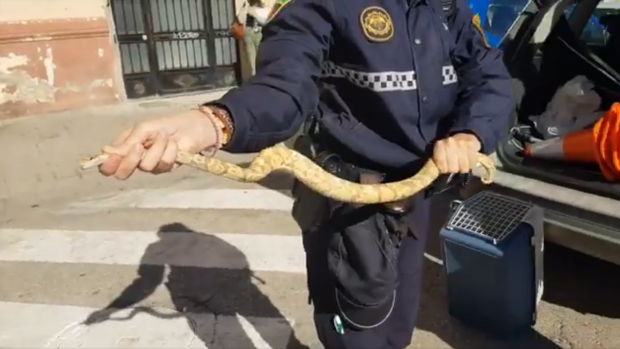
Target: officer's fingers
109,167
153,154
120,145
130,162
439,157
142,133
167,161
117,150
464,165
473,158
122,137
452,155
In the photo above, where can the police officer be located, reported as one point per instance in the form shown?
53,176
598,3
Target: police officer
388,84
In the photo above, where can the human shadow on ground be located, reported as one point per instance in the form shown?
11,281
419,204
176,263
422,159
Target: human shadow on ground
197,292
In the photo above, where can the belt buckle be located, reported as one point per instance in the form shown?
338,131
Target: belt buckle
399,206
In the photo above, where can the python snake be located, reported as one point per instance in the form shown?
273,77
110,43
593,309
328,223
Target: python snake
281,158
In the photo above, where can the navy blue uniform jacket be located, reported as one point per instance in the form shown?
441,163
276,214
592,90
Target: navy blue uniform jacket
386,78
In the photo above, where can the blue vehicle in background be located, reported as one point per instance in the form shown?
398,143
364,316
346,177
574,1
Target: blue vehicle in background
497,16
596,32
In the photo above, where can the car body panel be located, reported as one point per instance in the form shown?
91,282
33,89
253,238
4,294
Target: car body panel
584,222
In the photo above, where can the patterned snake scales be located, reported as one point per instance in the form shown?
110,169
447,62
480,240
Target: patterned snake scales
281,158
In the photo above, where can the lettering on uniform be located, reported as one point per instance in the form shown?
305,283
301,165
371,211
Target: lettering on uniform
478,25
377,24
277,7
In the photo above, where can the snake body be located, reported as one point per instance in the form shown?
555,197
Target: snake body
281,158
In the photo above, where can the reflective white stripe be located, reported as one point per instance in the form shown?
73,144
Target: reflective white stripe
383,81
380,82
449,75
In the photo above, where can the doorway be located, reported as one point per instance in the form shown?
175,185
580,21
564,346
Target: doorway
175,46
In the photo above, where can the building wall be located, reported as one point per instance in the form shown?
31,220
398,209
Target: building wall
56,55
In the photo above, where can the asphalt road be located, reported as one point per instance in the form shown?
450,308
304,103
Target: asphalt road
61,263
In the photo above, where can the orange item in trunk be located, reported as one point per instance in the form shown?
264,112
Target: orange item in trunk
598,145
607,138
574,147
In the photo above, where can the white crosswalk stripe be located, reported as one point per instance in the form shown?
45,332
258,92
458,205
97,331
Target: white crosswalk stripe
211,285
177,248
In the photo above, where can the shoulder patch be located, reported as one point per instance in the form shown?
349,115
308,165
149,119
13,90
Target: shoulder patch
478,25
277,7
377,24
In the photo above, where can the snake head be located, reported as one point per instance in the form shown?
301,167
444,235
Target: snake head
489,169
93,161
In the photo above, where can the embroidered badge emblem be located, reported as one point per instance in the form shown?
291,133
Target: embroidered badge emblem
377,24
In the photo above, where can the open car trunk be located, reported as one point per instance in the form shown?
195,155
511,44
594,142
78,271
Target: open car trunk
538,73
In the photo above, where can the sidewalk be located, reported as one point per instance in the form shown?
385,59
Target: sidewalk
38,153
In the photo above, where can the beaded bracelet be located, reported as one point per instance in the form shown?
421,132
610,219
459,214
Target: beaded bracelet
225,122
218,134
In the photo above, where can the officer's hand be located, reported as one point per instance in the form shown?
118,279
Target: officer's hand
151,146
457,154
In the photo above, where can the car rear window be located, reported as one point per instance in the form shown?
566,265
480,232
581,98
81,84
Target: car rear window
596,32
500,16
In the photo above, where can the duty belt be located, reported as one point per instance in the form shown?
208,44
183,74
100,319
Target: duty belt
333,163
393,212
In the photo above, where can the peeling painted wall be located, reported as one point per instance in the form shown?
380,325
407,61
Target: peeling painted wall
56,55
17,85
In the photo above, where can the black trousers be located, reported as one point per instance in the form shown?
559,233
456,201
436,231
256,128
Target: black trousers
311,210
